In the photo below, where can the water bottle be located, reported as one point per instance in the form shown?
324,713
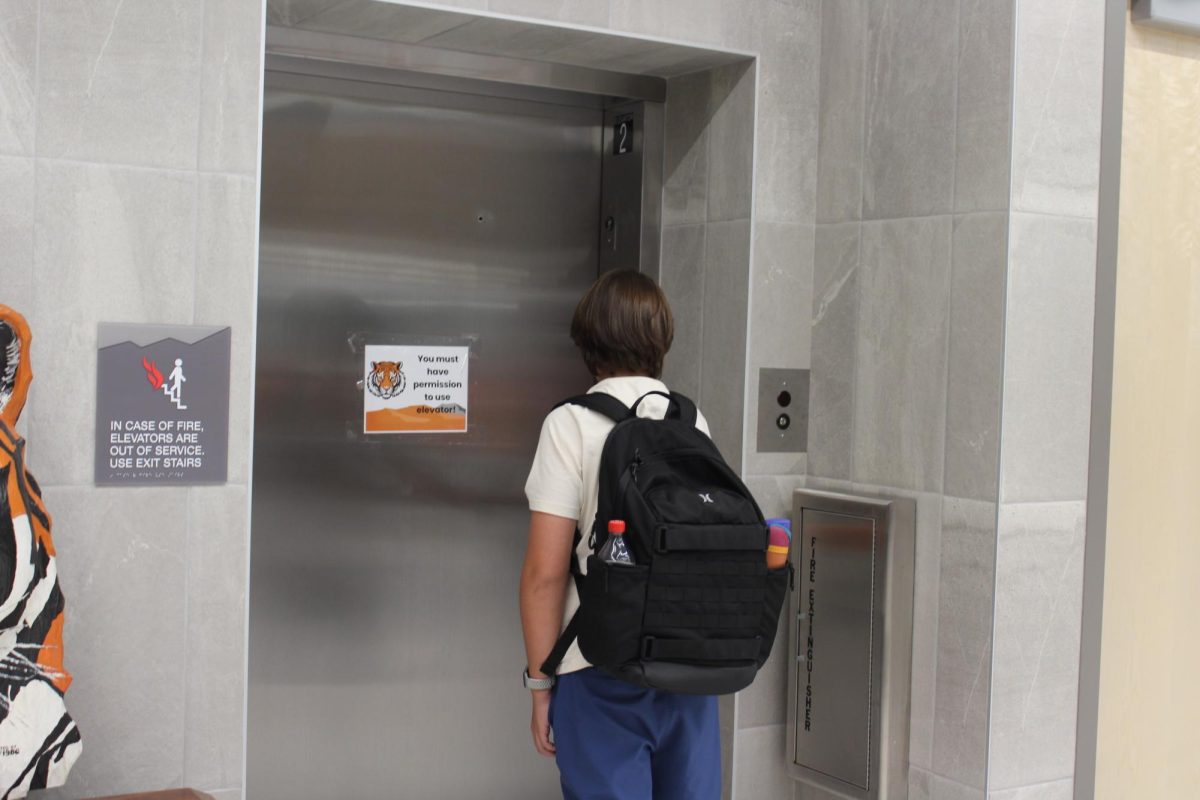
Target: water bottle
615,550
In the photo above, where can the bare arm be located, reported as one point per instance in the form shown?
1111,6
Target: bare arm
544,578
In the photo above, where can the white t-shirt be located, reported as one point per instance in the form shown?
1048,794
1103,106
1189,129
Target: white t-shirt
564,479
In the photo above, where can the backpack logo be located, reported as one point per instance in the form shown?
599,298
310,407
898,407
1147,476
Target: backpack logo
706,498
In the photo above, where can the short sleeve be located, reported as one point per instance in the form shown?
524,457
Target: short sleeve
555,483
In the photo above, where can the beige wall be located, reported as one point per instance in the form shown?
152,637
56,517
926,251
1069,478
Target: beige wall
1148,685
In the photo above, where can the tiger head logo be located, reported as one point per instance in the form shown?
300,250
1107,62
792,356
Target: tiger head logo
386,379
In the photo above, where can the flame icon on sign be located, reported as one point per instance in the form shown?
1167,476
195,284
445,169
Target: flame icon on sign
152,374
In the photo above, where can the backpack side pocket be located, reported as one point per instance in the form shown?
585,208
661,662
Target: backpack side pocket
611,610
778,581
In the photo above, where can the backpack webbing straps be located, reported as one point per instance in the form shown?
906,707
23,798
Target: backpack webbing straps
701,649
679,407
550,665
601,403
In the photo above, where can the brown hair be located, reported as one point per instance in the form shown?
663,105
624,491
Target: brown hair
623,325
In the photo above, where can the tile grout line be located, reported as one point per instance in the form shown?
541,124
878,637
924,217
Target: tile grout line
852,465
862,145
33,236
1051,215
704,290
200,82
856,302
946,779
1012,197
958,58
248,508
950,272
704,242
937,631
749,385
151,487
190,493
1064,779
948,326
187,633
178,171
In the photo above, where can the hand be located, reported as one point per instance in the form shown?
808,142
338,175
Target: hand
540,725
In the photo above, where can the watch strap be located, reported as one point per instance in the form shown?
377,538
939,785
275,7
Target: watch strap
536,683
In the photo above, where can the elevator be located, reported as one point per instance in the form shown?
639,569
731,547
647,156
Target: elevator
399,208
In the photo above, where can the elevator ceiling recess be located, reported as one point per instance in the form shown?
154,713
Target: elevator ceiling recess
307,28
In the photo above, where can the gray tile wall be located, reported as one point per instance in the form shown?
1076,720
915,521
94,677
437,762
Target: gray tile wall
964,639
900,366
908,314
1046,399
128,151
123,568
984,114
706,241
976,356
1036,660
16,231
18,78
908,163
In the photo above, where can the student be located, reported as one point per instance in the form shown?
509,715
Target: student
612,740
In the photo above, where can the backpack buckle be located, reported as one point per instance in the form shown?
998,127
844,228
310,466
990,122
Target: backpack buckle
648,648
660,539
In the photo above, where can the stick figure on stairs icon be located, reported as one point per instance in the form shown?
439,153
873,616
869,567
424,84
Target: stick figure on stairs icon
173,388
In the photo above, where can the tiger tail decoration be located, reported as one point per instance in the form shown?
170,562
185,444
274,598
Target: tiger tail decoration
39,741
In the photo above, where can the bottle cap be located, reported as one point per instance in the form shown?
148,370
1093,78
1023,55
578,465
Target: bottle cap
781,522
616,526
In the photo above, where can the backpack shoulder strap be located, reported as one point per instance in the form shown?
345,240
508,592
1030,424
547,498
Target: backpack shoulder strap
617,411
550,665
601,403
687,409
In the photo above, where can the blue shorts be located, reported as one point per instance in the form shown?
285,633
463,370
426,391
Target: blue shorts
616,741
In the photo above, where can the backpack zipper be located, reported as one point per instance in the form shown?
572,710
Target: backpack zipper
671,455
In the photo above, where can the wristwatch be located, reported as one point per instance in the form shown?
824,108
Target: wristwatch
536,683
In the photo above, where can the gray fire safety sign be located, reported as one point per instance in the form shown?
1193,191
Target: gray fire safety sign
162,404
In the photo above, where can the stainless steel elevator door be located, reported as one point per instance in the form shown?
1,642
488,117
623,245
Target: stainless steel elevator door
385,645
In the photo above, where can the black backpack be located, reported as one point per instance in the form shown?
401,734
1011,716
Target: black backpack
698,611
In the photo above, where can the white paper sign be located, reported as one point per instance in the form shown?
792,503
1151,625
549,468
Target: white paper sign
415,389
